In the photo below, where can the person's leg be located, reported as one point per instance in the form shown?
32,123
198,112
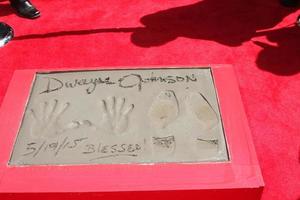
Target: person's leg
25,8
6,34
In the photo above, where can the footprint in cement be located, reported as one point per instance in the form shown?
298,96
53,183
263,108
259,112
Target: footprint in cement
202,110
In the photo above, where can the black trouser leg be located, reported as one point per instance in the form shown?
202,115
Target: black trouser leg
16,1
289,3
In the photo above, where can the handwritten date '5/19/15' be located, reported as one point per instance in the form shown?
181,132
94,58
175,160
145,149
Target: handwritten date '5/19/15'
82,146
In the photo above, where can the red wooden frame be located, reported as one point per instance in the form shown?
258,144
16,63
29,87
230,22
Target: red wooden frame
241,173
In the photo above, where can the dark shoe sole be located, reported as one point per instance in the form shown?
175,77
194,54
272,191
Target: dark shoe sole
28,17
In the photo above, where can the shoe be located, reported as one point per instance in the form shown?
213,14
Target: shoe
6,34
25,9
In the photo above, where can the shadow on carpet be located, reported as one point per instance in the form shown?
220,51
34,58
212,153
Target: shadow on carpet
229,23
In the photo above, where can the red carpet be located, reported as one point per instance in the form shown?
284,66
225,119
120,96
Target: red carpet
255,36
